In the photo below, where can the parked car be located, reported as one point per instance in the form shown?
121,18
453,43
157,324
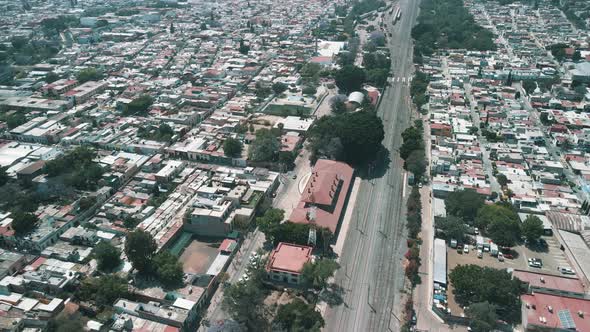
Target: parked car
500,257
459,248
535,262
566,270
479,253
466,249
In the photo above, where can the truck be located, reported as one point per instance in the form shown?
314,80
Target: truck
453,244
479,241
494,249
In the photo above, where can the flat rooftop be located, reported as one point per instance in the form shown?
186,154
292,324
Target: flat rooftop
288,257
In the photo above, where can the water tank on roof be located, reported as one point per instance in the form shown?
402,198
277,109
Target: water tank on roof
356,97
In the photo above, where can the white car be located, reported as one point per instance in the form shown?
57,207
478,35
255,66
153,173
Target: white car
466,249
566,270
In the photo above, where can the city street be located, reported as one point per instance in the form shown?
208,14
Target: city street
371,263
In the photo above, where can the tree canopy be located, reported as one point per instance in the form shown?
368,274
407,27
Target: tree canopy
79,167
245,303
351,137
270,220
3,176
315,275
484,316
232,148
103,290
502,179
108,256
162,133
448,24
88,74
453,227
168,269
529,86
265,146
138,105
464,204
412,140
532,228
23,223
140,248
65,322
350,78
500,223
475,284
298,316
279,87
416,163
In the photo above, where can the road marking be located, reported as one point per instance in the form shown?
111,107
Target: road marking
404,184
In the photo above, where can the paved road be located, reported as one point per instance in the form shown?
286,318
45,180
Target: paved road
371,272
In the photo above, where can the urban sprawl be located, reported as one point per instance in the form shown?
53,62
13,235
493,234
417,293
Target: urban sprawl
322,165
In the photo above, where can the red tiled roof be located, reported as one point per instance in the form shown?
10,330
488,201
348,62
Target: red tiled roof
288,257
327,190
227,244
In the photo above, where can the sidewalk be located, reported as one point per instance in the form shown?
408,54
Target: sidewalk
423,294
337,248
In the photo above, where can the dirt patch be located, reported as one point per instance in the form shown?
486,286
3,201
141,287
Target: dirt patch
198,256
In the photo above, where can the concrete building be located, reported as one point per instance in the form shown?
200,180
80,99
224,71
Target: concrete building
286,262
547,312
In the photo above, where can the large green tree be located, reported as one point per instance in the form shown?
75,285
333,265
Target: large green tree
316,274
65,322
412,141
140,247
350,78
138,105
108,256
532,228
168,269
23,223
245,303
232,148
265,146
453,227
416,163
88,74
500,223
464,204
475,284
298,316
529,86
103,290
359,135
279,87
270,220
484,316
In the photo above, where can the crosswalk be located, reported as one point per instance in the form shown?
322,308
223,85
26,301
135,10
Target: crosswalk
400,79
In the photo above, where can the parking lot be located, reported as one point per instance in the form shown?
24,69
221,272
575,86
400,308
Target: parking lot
552,258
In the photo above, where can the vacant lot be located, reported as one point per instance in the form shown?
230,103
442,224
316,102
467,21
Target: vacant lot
198,256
